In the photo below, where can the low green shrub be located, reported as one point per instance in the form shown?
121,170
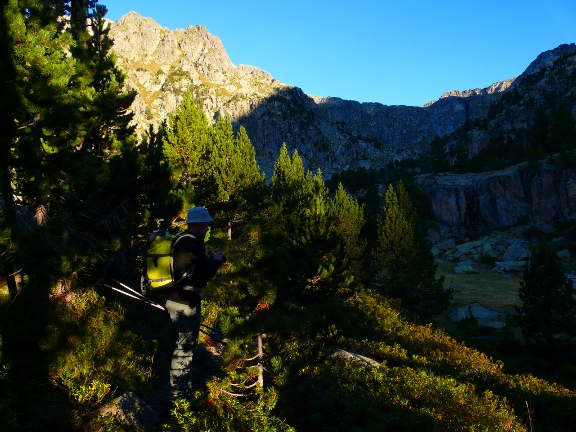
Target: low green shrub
99,358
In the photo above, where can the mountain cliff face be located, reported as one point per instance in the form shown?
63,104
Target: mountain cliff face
539,193
335,134
329,133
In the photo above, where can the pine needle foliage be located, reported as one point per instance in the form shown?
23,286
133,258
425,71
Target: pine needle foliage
401,261
547,316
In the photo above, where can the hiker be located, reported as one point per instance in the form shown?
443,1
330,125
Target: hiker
184,299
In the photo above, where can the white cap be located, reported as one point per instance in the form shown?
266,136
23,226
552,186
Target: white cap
198,215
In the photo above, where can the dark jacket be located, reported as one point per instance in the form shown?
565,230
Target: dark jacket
190,251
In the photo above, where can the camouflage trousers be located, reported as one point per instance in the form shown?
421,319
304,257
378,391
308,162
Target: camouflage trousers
186,321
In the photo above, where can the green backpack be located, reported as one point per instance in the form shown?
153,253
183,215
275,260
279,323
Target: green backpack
159,263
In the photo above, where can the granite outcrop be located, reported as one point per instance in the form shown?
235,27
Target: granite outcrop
539,193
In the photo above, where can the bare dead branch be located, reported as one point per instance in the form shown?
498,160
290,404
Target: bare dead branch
233,394
252,358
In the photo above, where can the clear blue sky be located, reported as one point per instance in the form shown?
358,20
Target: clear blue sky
393,52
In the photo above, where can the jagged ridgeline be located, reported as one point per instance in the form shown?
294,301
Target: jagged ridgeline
330,133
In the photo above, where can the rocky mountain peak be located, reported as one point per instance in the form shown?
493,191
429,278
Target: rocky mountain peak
497,87
161,64
547,58
329,133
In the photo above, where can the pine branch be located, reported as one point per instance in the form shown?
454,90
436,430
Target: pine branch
233,394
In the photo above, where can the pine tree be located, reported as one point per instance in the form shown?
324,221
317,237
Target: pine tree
563,135
248,173
462,161
288,180
438,155
232,168
72,161
395,246
102,166
67,176
315,236
222,156
562,129
103,117
547,317
539,134
213,165
402,261
187,140
160,197
347,221
232,160
35,97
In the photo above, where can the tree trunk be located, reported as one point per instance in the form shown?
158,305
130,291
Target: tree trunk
260,362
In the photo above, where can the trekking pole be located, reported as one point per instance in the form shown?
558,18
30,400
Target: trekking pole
132,290
215,330
136,295
212,337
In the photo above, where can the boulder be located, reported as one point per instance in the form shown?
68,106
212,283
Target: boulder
355,357
486,248
469,247
509,266
465,267
517,252
447,244
485,317
133,411
433,236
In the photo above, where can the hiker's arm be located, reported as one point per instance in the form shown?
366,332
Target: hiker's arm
206,268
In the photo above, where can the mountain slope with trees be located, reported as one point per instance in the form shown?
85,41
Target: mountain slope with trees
330,133
520,119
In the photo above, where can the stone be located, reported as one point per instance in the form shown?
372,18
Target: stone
465,267
433,236
517,252
468,247
572,277
509,266
480,312
132,410
355,357
557,240
447,244
485,317
486,248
